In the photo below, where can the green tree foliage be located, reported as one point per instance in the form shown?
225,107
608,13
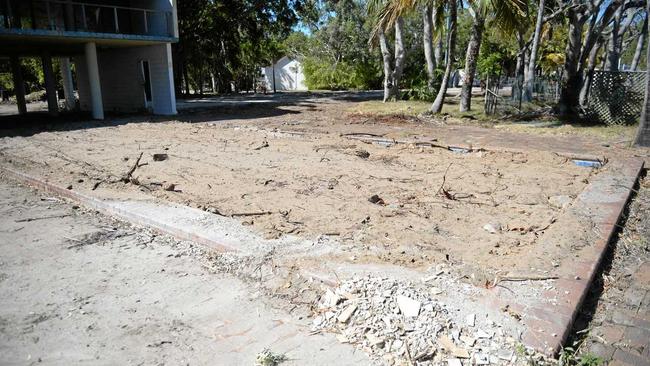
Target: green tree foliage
498,55
229,40
335,54
32,71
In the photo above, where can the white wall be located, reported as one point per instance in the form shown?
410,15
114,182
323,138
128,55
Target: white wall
288,75
122,83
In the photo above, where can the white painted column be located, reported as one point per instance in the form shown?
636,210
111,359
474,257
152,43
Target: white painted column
93,81
162,80
68,86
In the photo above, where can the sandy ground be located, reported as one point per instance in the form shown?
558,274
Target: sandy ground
80,288
287,170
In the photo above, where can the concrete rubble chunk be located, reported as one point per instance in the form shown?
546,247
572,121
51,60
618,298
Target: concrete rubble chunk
346,314
409,307
469,341
483,334
492,228
375,340
393,320
470,320
561,201
330,299
454,362
505,354
481,359
454,350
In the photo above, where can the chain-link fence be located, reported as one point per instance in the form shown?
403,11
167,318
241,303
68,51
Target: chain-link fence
506,97
616,97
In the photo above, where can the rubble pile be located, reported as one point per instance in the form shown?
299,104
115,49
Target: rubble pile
401,323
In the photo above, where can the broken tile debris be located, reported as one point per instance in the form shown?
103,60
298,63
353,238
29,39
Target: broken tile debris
400,322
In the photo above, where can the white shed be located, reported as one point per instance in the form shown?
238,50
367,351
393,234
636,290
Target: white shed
286,73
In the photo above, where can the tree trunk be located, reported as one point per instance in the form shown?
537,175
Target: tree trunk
451,46
604,60
437,49
640,43
571,79
643,134
186,77
201,81
519,67
471,57
388,68
529,72
589,74
427,38
400,56
275,90
614,50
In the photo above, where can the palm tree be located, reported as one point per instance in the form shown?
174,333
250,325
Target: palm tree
427,39
436,107
505,12
392,10
389,15
507,15
432,32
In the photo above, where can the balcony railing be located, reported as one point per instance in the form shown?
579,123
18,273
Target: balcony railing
61,15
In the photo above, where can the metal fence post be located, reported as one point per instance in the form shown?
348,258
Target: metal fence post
146,25
117,23
83,17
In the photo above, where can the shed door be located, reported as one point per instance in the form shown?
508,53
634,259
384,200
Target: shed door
146,77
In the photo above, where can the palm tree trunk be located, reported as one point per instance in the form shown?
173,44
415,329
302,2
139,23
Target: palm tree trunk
388,68
427,38
529,72
437,49
643,134
400,56
471,58
451,46
640,43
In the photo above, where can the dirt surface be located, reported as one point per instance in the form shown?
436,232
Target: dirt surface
80,288
288,170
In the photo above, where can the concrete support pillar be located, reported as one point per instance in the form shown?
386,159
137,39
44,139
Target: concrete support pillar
162,79
50,85
68,86
93,81
19,85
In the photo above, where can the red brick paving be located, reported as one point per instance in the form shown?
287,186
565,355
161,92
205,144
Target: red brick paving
620,329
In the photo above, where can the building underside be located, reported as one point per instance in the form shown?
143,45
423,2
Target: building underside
121,52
